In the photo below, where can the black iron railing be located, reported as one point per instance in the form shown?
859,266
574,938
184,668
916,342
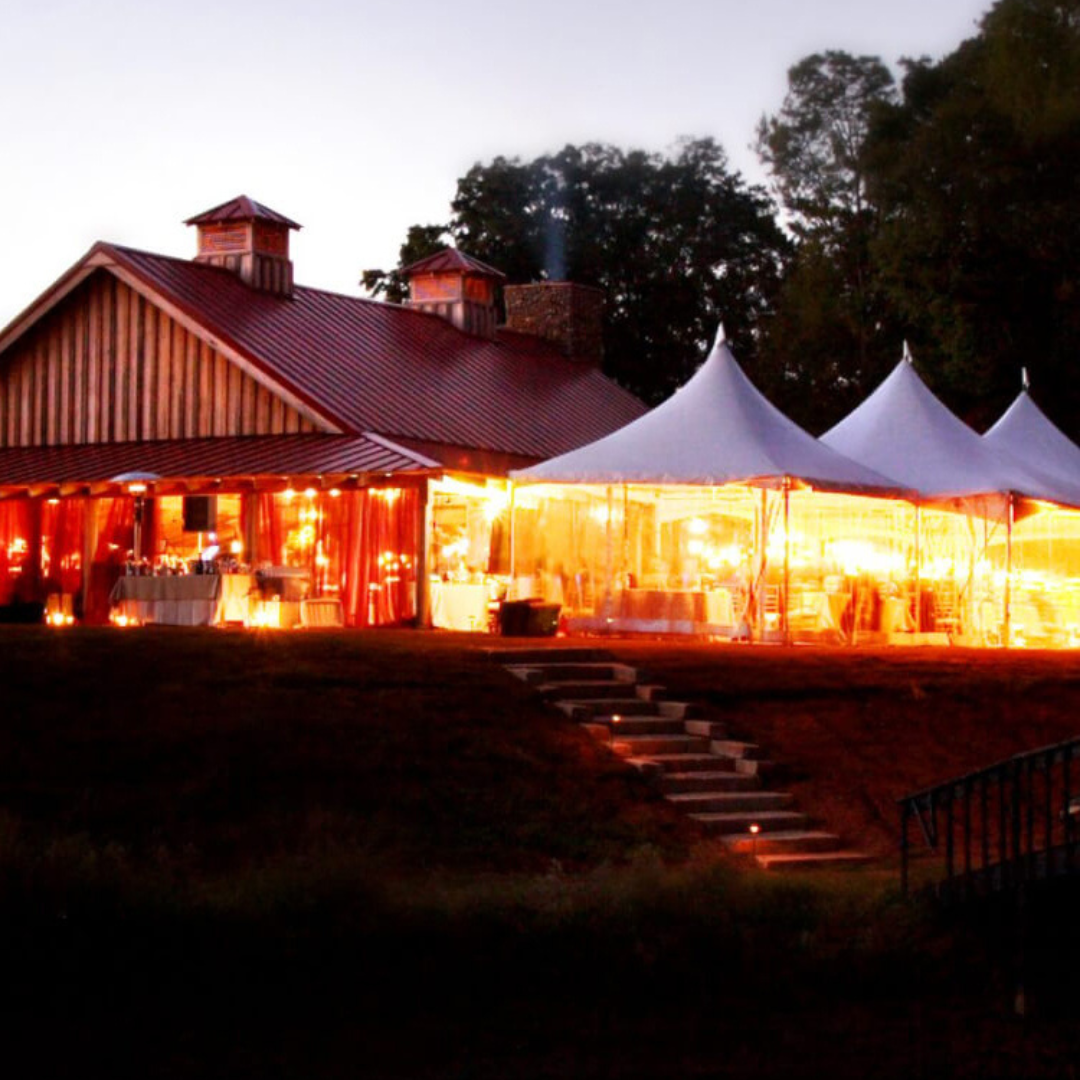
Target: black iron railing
998,828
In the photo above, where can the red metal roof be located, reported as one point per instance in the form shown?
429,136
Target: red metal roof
241,209
270,455
449,260
369,366
463,458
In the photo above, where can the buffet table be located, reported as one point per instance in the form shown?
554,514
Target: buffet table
184,600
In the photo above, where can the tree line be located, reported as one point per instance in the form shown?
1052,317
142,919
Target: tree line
941,208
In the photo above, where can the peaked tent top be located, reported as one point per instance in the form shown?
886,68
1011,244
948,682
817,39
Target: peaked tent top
716,429
904,431
1026,433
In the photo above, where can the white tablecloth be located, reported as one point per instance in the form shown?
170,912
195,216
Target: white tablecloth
188,600
459,606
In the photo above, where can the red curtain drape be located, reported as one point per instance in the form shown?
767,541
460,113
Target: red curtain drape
269,547
115,543
380,556
17,555
333,536
62,525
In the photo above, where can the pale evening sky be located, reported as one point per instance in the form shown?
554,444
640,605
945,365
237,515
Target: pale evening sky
120,118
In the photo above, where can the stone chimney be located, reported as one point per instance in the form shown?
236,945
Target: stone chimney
568,315
456,286
249,239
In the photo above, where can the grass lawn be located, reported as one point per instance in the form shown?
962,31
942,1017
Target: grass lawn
350,854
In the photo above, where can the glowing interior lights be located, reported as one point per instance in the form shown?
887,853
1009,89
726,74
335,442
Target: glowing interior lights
267,615
716,557
857,557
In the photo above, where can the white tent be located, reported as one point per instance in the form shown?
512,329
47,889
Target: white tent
711,505
1025,433
1044,549
717,429
903,431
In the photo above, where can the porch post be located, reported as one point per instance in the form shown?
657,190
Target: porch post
251,527
513,491
89,543
423,557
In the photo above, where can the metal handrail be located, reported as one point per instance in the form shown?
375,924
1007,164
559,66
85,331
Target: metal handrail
1017,821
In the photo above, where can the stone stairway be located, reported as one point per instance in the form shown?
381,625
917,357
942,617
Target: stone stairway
718,781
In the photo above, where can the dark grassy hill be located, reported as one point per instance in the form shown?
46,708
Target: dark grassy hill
227,854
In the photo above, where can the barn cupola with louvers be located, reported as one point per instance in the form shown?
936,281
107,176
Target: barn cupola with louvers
249,239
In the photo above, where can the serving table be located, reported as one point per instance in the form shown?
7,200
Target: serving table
184,600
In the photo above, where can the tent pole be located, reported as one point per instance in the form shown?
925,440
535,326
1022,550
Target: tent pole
1006,629
513,538
918,569
785,627
625,558
608,554
758,629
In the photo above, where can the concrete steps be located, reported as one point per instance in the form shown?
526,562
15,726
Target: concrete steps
681,763
647,745
720,823
732,802
819,860
799,841
714,779
613,689
605,708
679,783
566,672
643,725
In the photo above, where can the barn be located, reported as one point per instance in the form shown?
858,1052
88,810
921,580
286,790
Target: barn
205,441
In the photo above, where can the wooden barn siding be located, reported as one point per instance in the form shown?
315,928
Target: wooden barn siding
108,366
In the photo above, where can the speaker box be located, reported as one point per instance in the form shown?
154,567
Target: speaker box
200,513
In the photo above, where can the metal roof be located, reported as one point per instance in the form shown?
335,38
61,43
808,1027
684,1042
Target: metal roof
269,455
241,209
368,366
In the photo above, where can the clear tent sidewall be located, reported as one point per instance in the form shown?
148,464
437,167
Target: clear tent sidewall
785,562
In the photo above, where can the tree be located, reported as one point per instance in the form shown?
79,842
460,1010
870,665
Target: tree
979,249
831,338
677,242
814,145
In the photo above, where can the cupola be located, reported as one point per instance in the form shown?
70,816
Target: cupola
456,286
249,239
